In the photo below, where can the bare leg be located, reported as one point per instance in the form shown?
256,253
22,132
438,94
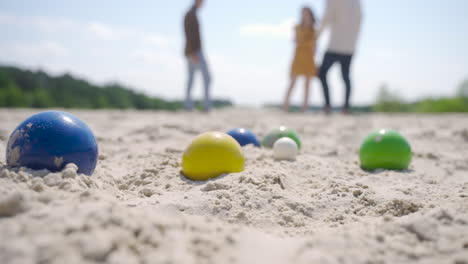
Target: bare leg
305,105
288,93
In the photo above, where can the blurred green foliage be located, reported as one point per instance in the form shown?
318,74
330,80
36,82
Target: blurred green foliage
463,89
388,101
391,102
24,88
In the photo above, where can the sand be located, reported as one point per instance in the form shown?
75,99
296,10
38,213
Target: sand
321,208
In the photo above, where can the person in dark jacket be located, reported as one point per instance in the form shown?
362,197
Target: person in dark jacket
195,58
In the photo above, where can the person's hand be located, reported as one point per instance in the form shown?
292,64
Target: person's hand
194,58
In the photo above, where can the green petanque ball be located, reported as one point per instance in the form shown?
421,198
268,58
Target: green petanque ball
277,133
385,149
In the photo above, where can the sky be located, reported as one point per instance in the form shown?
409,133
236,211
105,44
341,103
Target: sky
418,48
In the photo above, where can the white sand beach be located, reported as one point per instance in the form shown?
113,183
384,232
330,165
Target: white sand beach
322,208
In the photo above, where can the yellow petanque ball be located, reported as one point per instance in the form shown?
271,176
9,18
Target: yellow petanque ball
210,155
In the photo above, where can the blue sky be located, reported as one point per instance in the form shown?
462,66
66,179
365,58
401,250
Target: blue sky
418,47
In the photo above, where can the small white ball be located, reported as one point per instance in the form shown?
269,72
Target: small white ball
285,149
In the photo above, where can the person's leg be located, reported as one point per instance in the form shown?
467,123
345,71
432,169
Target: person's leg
327,63
305,105
188,93
345,61
207,82
287,97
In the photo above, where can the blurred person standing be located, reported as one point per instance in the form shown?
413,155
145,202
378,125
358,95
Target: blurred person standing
304,57
343,19
195,57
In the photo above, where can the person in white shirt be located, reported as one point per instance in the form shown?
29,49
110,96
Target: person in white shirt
343,19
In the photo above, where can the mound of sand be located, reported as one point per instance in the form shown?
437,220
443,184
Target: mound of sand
322,208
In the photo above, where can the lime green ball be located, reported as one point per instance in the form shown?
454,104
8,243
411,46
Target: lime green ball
385,149
270,139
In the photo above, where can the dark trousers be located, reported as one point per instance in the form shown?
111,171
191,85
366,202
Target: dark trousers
344,60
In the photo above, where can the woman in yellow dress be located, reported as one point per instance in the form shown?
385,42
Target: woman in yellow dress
303,64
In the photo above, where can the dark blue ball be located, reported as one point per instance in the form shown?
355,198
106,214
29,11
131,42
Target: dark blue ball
244,137
50,140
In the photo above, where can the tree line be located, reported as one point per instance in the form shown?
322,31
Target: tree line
390,101
37,89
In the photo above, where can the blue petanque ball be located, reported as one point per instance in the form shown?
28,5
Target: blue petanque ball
50,140
244,137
